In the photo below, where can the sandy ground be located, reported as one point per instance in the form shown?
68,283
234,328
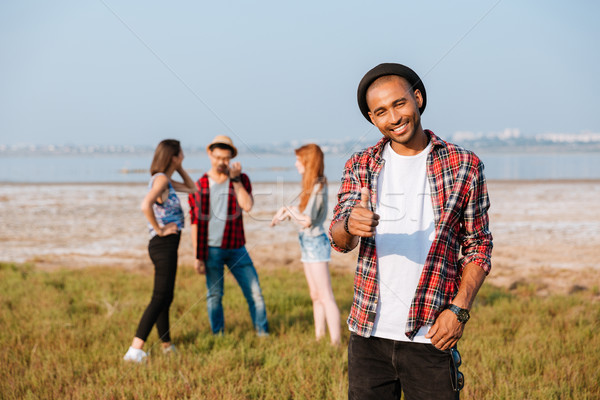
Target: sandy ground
546,233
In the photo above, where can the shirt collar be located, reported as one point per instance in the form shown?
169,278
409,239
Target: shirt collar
435,140
377,150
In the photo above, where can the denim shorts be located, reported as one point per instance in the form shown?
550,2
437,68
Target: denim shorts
314,248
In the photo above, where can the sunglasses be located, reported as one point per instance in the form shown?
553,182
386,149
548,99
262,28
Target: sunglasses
457,377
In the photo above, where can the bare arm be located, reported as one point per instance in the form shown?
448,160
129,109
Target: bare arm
446,331
303,218
160,184
342,238
187,186
244,199
194,235
281,215
198,264
287,212
477,246
472,279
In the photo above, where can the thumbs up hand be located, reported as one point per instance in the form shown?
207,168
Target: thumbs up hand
365,196
362,221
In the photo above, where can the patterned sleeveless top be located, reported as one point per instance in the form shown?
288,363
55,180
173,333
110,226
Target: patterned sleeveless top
169,211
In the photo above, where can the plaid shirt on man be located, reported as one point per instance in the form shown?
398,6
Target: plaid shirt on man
233,236
460,203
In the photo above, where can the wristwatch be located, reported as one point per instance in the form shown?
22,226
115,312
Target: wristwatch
462,314
236,179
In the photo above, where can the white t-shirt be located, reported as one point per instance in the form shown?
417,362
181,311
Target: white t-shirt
403,238
219,193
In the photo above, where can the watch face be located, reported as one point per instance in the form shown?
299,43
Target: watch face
463,316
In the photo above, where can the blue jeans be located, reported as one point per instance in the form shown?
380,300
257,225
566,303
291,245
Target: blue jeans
240,265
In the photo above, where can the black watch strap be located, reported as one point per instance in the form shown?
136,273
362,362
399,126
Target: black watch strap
236,179
462,314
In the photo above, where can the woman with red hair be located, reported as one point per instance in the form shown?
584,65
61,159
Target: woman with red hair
310,216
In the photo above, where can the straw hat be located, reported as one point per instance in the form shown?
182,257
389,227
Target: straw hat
226,140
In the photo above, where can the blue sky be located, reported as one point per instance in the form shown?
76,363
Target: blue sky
108,72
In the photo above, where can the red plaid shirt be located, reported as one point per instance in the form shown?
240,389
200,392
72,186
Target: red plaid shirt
460,204
233,236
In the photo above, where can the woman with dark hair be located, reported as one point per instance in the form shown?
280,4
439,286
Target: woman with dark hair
163,211
310,216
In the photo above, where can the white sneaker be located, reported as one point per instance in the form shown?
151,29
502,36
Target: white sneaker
170,350
135,355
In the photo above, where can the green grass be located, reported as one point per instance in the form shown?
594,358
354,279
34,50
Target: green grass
63,334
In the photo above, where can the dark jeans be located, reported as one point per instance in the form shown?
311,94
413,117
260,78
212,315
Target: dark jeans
380,369
163,253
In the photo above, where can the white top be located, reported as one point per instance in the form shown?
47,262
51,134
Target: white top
403,238
219,194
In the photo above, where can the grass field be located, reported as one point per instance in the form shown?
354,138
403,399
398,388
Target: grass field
63,334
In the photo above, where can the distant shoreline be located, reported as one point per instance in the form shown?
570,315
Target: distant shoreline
538,226
291,182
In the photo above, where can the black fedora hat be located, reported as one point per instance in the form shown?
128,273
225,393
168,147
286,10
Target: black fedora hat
383,70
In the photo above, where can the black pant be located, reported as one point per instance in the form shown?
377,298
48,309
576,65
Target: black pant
380,369
163,253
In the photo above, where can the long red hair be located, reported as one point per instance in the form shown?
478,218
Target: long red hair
311,157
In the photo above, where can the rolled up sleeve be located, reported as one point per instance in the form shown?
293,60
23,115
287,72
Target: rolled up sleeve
476,238
348,196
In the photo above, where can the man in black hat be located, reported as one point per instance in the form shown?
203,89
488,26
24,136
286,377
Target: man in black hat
413,201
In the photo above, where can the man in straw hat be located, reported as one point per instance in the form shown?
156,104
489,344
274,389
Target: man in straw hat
218,234
413,201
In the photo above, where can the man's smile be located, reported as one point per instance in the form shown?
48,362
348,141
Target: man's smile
400,129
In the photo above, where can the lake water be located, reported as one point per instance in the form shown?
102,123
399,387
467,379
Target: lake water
109,168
